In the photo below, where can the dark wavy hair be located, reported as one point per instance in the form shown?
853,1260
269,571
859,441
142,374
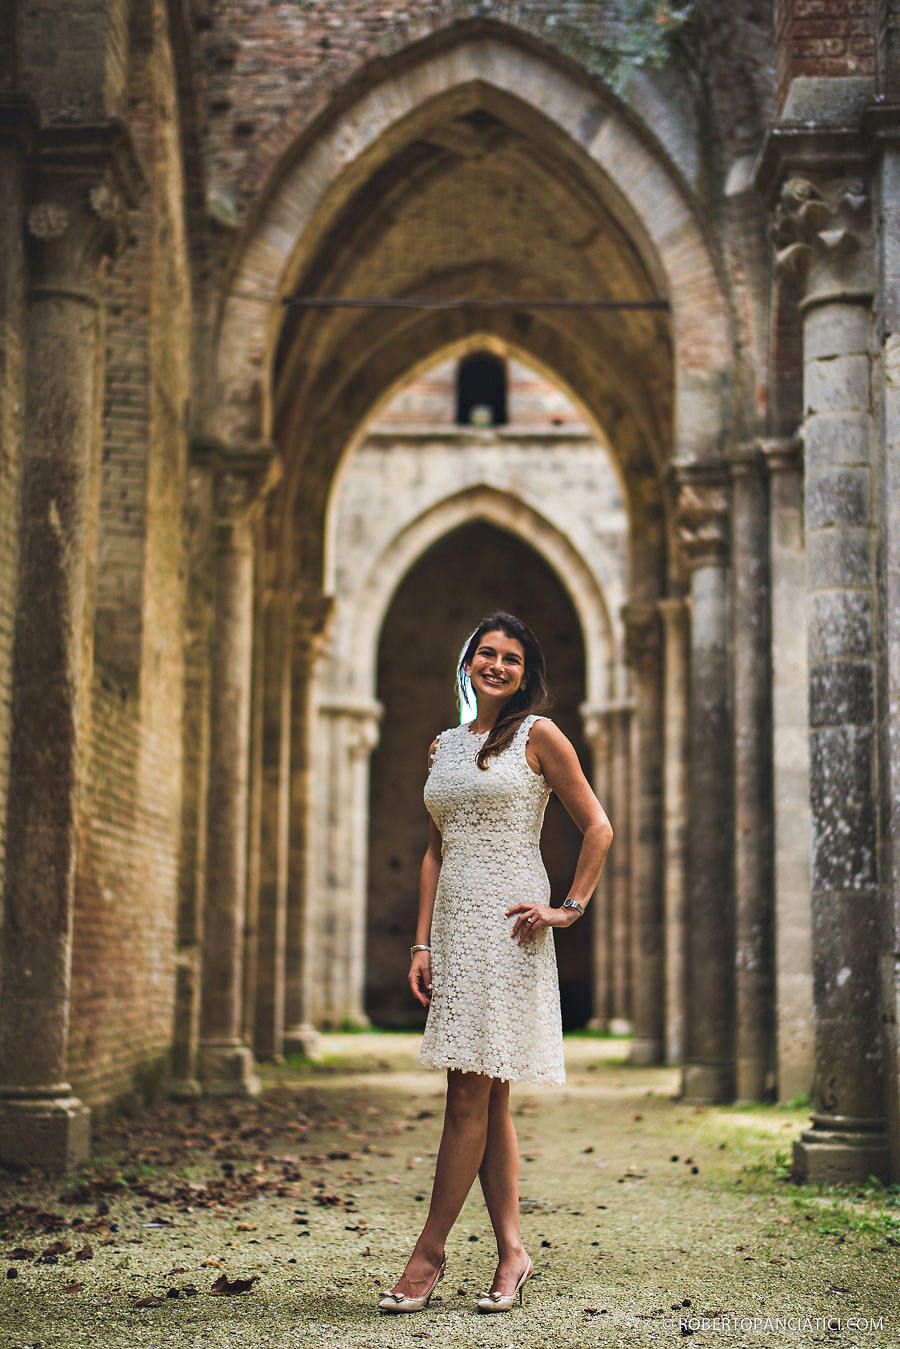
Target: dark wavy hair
532,694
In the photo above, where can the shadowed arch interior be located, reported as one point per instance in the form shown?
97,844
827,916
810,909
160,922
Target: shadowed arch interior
465,574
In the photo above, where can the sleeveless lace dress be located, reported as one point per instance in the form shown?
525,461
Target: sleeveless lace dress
495,1004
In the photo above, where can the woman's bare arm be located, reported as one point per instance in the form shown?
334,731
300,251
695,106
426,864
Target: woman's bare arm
430,870
551,753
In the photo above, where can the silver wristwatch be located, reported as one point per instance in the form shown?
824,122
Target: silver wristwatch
573,904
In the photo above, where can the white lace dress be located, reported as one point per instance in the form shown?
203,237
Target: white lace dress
495,1004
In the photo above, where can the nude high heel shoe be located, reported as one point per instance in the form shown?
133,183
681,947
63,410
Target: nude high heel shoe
397,1302
502,1302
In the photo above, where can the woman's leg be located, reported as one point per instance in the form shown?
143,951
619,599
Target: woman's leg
459,1157
499,1176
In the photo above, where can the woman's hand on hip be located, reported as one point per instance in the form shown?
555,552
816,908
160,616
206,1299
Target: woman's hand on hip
532,917
420,977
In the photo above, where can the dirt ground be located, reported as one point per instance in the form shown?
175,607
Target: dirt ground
650,1222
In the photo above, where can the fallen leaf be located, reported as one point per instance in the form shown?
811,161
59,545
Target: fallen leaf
225,1287
149,1302
73,1287
21,1253
213,1264
246,1227
86,1253
57,1248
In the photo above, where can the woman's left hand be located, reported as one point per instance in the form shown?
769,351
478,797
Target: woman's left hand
532,917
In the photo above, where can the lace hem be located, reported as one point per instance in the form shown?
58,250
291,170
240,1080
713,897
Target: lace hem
549,1077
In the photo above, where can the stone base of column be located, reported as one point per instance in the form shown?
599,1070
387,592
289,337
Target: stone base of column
707,1083
841,1152
50,1131
304,1040
185,1089
227,1069
645,1051
619,1025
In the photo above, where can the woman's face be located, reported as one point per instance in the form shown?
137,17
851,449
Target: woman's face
497,669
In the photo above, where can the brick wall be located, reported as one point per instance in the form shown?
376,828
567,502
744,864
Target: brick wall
823,38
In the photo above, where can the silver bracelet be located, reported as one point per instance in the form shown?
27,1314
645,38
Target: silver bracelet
419,947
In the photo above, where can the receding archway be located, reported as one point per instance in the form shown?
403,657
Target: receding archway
468,572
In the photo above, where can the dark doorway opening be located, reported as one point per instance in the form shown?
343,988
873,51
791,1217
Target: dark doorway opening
466,574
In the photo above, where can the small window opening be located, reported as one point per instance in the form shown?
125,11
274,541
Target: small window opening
481,390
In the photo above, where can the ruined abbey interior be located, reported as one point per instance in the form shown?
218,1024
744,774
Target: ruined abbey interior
326,327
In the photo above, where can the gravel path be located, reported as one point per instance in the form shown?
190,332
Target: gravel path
649,1222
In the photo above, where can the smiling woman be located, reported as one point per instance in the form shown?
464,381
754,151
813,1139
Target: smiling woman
483,961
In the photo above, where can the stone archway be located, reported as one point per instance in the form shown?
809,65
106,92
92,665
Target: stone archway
473,569
346,720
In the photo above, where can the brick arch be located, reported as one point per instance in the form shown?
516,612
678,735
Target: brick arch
364,615
643,188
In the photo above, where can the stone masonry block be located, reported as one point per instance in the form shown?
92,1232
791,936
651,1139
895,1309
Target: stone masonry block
836,497
840,624
841,693
836,438
840,557
842,808
836,383
836,330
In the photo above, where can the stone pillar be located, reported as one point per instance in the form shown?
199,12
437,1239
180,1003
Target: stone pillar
643,651
80,176
274,824
18,130
753,976
619,867
702,524
225,1063
790,771
595,722
311,613
349,733
822,234
887,132
674,614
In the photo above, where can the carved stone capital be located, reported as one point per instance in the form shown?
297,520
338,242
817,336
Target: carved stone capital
782,454
746,460
86,178
361,725
244,476
702,508
643,636
313,610
822,234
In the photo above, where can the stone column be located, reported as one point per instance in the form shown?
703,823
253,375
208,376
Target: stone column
823,235
224,1061
274,824
595,721
887,132
643,651
674,614
18,132
349,733
82,180
619,867
790,771
312,610
753,977
702,524
79,178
